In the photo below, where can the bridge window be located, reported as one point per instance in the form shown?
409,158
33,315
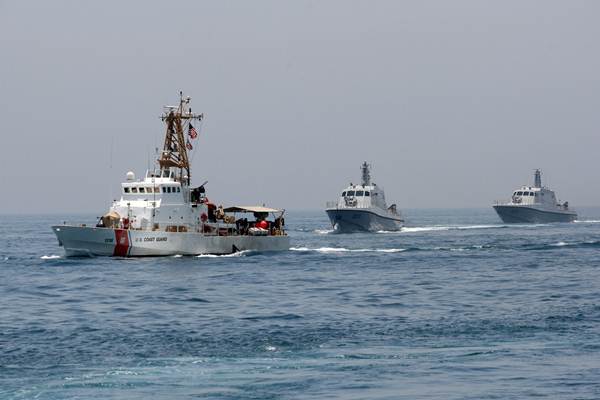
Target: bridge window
134,190
164,189
359,193
367,194
343,194
350,193
142,190
126,190
519,193
178,189
168,189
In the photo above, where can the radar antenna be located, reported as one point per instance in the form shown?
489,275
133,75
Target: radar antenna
174,154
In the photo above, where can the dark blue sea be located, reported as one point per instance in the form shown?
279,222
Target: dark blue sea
457,306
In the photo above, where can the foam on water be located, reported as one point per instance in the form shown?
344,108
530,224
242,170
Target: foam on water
434,228
419,229
483,312
344,250
236,254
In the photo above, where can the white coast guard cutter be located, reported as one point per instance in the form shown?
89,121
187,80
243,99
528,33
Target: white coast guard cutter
162,214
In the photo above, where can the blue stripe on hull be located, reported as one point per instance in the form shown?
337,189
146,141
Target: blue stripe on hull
347,221
520,214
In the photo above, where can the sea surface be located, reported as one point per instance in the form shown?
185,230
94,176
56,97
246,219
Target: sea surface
456,306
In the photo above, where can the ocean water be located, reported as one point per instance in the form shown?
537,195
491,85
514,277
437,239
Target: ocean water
457,306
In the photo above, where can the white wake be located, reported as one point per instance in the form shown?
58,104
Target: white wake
344,250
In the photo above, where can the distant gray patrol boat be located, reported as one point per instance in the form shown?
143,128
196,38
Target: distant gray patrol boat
362,208
534,204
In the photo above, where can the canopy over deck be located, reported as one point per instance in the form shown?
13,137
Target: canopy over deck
252,209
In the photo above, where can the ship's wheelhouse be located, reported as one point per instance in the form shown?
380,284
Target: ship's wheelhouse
360,196
355,197
526,195
533,195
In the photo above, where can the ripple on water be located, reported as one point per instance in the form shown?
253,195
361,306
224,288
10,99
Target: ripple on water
454,306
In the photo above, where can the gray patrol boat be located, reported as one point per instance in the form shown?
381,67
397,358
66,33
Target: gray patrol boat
362,208
534,204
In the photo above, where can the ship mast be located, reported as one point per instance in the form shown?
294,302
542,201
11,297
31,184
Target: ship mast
175,154
537,179
366,174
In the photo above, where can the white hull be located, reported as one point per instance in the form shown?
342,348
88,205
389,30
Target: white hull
91,241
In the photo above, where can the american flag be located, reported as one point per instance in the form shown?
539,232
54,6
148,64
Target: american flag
192,132
188,145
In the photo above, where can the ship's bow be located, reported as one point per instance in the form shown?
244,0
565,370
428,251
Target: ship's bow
91,241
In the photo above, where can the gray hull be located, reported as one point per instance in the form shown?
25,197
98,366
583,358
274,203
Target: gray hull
522,214
354,220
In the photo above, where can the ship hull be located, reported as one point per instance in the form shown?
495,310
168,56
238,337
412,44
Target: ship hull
90,241
356,220
523,214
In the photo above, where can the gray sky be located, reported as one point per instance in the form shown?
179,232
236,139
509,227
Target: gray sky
454,102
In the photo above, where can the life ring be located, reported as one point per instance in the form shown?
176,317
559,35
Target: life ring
203,217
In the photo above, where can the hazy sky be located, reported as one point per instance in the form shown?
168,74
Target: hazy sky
453,102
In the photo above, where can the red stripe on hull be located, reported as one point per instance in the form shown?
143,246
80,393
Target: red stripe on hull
122,243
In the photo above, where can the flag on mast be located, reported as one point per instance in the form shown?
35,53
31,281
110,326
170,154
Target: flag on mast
192,132
188,145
